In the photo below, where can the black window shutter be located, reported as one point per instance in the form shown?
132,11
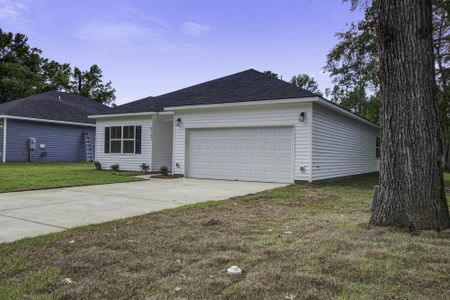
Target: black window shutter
138,139
107,137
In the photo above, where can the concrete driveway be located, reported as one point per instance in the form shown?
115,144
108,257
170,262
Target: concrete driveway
31,213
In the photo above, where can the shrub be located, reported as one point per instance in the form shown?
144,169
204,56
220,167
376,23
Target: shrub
115,167
98,165
164,171
144,167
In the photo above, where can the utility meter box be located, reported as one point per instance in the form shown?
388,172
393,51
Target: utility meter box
32,143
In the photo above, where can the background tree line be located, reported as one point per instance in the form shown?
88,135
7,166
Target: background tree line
353,65
25,72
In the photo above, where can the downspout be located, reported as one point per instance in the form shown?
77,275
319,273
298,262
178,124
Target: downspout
4,140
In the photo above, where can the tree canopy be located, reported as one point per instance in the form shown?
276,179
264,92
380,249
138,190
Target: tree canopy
25,72
353,62
303,81
306,82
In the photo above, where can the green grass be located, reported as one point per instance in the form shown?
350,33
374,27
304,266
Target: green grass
308,241
447,179
31,176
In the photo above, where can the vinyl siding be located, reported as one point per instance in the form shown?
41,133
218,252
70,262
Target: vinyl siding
273,115
63,143
162,143
130,162
341,146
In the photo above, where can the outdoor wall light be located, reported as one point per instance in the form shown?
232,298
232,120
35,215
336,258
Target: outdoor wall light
301,117
178,122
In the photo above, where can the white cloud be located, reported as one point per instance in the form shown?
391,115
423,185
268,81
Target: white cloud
112,32
151,20
11,12
128,34
194,29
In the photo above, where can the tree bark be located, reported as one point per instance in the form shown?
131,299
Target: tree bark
412,191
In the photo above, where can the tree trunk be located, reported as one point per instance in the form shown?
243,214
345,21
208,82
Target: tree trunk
412,191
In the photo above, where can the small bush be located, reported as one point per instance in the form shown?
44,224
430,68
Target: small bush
115,167
164,171
98,165
144,167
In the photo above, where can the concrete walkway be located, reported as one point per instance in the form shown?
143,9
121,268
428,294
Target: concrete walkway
31,213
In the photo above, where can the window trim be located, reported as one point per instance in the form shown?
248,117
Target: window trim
129,139
122,139
111,140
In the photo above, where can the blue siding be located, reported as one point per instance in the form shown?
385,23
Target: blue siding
64,143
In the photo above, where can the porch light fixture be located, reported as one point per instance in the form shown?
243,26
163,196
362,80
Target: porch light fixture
178,122
301,117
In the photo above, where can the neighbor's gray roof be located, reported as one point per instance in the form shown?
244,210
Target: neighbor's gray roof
54,105
249,85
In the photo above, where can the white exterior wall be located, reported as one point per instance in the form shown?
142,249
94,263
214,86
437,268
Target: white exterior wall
341,146
162,143
252,116
129,162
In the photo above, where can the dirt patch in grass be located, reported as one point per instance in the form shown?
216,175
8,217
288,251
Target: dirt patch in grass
303,242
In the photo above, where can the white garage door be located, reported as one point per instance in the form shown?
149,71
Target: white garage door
249,154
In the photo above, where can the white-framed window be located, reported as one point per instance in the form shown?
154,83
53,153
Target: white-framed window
128,140
116,139
123,139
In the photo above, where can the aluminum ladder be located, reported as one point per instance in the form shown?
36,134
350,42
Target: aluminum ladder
88,147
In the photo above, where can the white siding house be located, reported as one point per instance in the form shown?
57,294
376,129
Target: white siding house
238,118
127,161
280,134
341,146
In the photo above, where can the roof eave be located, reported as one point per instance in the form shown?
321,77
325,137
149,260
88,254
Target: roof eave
337,108
246,103
122,115
46,120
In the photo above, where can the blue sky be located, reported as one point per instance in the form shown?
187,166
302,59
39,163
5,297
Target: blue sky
156,46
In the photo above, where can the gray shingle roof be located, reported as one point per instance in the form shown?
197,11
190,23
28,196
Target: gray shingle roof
249,85
54,105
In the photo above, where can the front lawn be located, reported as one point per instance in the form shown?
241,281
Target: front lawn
302,241
30,176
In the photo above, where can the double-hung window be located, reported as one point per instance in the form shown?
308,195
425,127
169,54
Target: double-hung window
128,139
123,139
116,139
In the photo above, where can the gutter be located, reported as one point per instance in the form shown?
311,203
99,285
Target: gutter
340,109
46,120
150,113
318,100
247,103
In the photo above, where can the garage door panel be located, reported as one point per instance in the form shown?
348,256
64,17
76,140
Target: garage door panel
253,154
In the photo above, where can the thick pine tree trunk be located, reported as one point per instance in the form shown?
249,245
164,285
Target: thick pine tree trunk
411,182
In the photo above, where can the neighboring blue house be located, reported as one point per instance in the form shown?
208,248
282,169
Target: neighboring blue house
51,126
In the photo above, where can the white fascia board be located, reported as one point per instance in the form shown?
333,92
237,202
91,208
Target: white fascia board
343,111
122,115
247,103
46,120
